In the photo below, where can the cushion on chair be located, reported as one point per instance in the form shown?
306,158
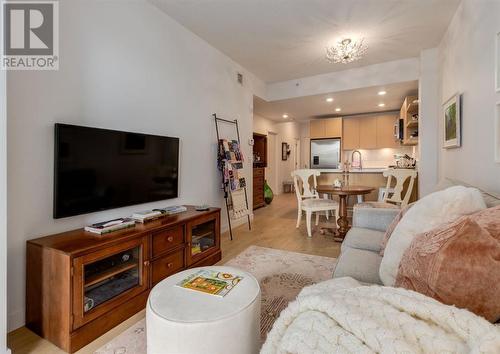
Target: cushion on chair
319,203
364,239
377,205
361,265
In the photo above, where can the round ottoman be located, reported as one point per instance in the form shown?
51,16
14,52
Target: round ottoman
184,321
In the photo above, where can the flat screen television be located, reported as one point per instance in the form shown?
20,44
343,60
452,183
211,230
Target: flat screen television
99,169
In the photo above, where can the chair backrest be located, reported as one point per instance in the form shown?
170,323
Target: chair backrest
303,189
400,175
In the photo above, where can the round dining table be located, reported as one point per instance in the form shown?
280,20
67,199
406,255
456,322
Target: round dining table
343,193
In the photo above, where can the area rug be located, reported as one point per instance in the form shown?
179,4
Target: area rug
281,274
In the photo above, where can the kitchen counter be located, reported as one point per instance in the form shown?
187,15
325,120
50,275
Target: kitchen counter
354,170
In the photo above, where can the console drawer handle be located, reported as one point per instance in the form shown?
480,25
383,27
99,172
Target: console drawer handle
170,265
170,238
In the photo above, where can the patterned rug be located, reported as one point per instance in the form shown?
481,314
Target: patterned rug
281,275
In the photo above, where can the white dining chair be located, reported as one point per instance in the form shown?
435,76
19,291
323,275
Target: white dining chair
394,197
308,200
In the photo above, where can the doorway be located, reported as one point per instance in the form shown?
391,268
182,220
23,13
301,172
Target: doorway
296,155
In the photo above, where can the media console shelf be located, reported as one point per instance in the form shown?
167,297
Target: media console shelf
80,285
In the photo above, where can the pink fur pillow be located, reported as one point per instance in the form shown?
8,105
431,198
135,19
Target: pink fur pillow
458,263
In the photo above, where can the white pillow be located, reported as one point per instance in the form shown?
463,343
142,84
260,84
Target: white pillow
427,213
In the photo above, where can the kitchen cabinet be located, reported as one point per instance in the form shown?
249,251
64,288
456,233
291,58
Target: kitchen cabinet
350,136
325,128
368,133
385,131
374,132
333,128
409,115
317,129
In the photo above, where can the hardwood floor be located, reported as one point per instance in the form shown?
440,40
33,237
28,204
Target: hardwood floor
273,226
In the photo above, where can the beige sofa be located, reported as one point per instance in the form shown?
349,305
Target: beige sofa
360,252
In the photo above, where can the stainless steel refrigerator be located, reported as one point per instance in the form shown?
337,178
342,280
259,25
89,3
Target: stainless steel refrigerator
325,153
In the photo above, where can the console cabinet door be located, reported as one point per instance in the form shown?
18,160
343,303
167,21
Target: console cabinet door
105,279
203,237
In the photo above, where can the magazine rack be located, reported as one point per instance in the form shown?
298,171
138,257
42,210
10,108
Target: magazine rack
233,194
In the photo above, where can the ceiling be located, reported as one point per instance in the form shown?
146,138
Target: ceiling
358,101
285,39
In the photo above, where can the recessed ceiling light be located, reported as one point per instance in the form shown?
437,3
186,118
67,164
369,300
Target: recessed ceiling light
285,116
381,104
329,99
381,93
337,109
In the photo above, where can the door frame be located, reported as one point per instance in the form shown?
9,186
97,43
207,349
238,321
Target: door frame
273,183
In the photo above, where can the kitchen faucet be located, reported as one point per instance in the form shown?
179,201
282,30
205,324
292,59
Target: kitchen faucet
360,166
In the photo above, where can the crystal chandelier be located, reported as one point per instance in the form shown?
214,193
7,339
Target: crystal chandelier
346,51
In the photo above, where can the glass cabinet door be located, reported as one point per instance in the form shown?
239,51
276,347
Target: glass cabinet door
111,276
108,278
203,237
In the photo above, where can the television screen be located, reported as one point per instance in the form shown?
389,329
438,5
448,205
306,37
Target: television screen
99,169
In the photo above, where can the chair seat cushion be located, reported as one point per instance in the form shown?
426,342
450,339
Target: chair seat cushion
377,205
319,203
361,265
364,239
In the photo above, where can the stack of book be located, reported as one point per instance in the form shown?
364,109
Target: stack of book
147,215
176,209
110,226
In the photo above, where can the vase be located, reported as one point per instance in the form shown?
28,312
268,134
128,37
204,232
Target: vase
268,193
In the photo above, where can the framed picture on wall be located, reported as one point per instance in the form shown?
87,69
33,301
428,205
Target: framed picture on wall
452,120
497,62
284,151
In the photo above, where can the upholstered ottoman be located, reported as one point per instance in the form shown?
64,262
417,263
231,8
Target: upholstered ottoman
184,321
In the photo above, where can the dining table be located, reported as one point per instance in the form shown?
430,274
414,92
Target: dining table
343,193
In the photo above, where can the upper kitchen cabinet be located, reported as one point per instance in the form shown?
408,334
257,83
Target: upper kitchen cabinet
373,132
368,133
333,127
350,137
325,128
385,131
409,115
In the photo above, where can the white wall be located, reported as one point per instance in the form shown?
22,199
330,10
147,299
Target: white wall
466,58
127,66
3,209
366,76
428,121
263,125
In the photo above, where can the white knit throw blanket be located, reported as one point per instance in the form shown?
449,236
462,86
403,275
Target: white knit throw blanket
342,316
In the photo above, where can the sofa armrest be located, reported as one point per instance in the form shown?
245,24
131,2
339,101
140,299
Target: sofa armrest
373,218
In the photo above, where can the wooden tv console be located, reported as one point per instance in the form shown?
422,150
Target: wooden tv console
80,285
